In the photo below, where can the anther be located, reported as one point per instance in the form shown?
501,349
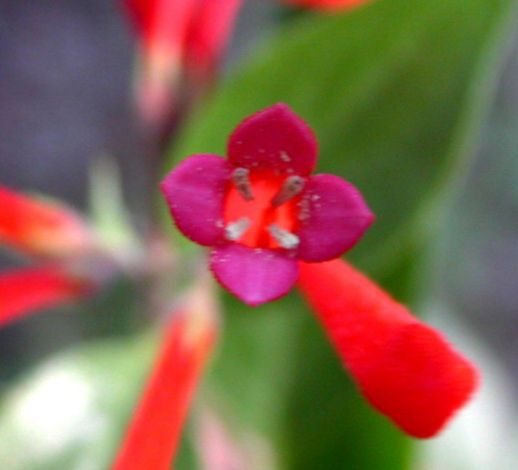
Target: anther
283,237
292,186
241,180
236,230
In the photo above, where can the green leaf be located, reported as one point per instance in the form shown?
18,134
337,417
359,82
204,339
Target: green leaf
395,92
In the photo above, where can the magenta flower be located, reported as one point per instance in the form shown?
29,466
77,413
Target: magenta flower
260,210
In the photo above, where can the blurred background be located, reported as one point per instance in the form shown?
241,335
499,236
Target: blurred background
66,71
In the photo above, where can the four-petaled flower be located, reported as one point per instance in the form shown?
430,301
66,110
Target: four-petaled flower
261,210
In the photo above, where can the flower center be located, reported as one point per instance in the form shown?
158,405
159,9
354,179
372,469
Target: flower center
261,209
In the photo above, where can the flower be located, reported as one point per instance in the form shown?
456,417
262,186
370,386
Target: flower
208,35
261,210
406,369
176,35
162,29
187,37
152,438
42,229
26,290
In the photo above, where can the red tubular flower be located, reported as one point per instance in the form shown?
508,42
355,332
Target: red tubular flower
162,26
26,290
208,35
152,439
41,227
175,33
46,229
406,369
190,33
261,210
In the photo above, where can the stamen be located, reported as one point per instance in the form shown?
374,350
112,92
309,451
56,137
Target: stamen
236,230
292,186
283,237
241,180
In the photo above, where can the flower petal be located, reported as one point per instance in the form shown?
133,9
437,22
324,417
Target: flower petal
333,217
152,439
25,290
406,369
254,275
274,139
194,191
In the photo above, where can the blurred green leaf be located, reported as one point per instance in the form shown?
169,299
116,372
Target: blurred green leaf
395,92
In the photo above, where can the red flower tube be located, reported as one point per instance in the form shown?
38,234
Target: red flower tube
41,227
162,26
151,441
406,369
25,290
208,35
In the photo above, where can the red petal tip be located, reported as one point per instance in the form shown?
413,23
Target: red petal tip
274,139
